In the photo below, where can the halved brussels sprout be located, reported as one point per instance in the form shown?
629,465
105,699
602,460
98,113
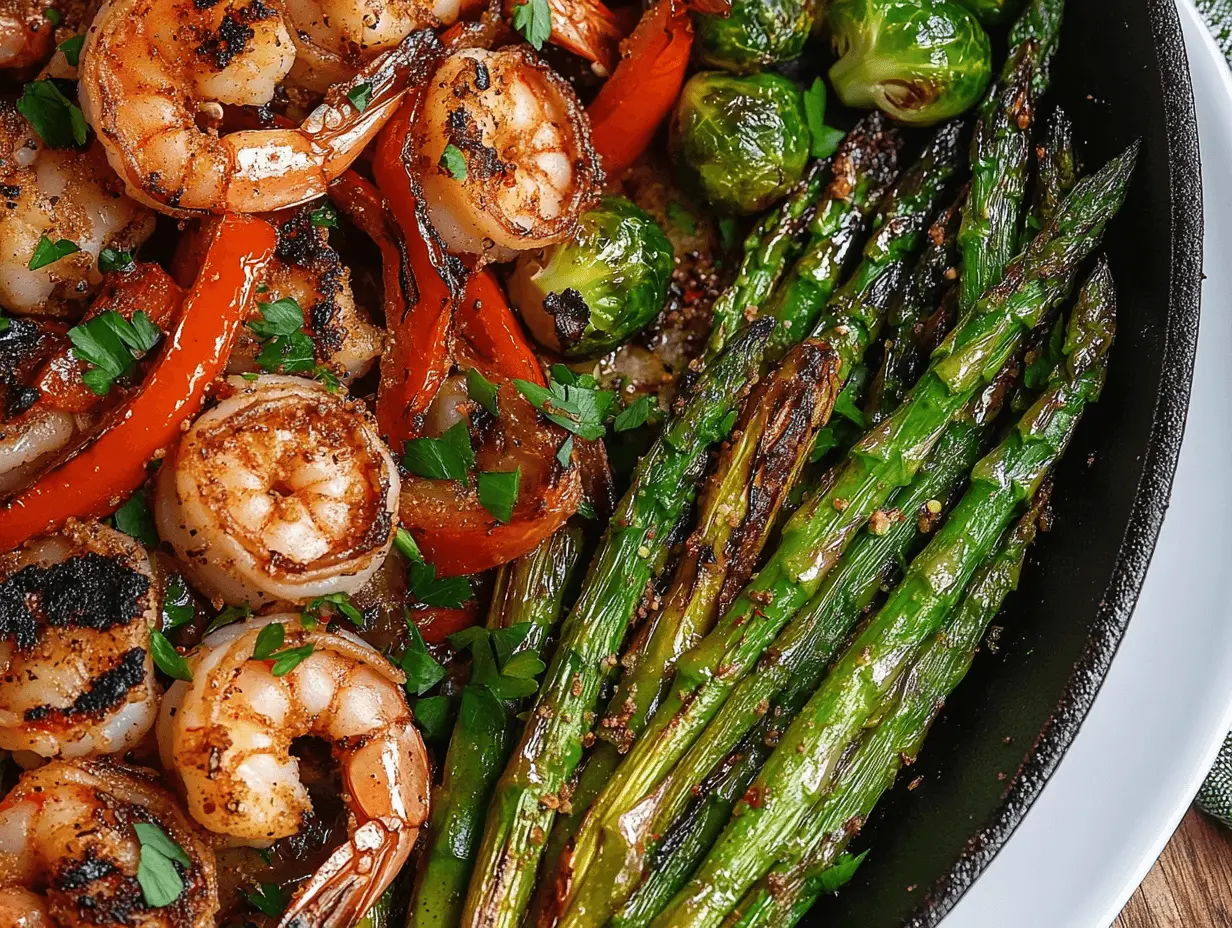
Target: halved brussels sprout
921,62
755,35
595,291
739,142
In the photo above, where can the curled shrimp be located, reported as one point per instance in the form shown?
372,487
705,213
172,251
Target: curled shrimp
76,609
58,194
227,736
336,38
26,34
282,492
520,168
70,849
152,71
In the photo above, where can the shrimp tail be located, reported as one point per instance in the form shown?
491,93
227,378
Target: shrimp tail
352,879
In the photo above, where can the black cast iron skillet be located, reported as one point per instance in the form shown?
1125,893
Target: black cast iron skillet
1122,74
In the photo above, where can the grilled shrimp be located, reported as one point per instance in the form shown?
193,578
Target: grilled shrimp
155,73
227,736
26,34
306,269
281,492
335,38
69,850
76,609
520,167
60,194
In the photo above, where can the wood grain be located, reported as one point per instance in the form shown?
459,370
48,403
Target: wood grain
1191,884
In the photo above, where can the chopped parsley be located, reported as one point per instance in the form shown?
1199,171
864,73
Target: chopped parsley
48,252
534,20
360,96
72,49
324,216
564,456
268,899
572,401
482,391
498,492
846,407
335,604
285,347
160,881
449,457
838,875
825,139
454,162
135,519
269,640
112,346
442,592
55,117
288,660
167,658
178,608
635,414
432,716
229,616
421,668
111,260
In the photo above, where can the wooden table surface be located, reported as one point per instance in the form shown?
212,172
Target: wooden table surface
1191,885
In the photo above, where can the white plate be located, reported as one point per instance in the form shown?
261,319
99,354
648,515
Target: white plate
1156,725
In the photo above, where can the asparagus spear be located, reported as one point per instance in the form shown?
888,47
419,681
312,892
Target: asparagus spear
864,167
634,546
528,594
818,533
1000,149
905,349
769,249
1056,168
769,446
803,765
788,891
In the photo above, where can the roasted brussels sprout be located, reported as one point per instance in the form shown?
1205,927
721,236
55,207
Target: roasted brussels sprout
595,291
921,61
755,35
993,12
739,142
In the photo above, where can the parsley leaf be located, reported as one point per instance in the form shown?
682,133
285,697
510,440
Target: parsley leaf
282,317
825,140
72,49
534,20
825,440
831,879
286,347
406,545
432,716
575,403
161,883
360,96
268,899
586,509
679,216
564,456
178,608
288,660
57,119
445,593
112,344
135,519
449,457
498,492
512,679
482,391
324,216
421,669
111,260
228,616
269,640
340,604
505,641
453,160
167,658
48,252
635,414
52,15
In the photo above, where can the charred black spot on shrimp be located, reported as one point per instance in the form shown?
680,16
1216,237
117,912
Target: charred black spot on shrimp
78,874
482,161
302,244
234,33
90,591
104,692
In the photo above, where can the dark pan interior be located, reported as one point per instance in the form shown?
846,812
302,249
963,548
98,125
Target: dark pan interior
1121,73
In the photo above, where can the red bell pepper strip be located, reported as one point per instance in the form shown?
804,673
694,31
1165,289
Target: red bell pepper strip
418,360
487,326
643,88
98,477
